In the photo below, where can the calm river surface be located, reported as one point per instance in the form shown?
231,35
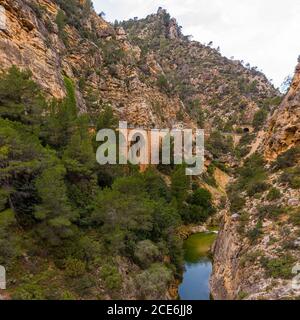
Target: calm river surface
198,267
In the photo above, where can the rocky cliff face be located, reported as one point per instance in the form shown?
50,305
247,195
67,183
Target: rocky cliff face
152,76
24,43
284,128
257,251
54,40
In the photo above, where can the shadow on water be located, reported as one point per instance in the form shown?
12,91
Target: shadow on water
198,267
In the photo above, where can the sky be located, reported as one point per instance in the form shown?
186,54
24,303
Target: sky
264,33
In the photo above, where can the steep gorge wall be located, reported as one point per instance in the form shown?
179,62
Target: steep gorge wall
23,44
146,82
129,84
32,40
237,272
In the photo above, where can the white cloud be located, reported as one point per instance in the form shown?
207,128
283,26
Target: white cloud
263,33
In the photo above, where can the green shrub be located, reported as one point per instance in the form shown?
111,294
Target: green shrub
111,277
199,207
196,112
30,291
75,13
274,194
153,282
270,211
288,159
260,118
7,219
244,146
67,295
219,144
279,268
209,179
21,98
112,52
61,22
106,118
201,197
242,295
180,184
83,285
209,176
146,253
9,241
180,115
237,203
256,187
74,268
163,83
252,176
195,214
3,196
291,177
295,216
255,233
9,249
54,211
156,187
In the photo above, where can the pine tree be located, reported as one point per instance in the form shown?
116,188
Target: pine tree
54,212
180,185
20,97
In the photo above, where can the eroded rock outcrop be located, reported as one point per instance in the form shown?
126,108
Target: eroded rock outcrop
284,129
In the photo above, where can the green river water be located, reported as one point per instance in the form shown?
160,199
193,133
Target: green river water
198,267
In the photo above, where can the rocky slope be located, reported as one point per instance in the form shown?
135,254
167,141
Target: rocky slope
53,40
257,251
152,75
226,92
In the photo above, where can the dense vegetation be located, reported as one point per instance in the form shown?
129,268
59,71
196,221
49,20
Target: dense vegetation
67,221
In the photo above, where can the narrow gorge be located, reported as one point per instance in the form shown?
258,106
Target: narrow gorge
72,229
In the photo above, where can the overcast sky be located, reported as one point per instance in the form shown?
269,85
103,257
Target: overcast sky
264,33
